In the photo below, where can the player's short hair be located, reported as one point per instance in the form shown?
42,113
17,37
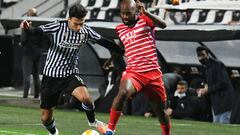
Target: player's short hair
183,82
201,48
77,11
32,12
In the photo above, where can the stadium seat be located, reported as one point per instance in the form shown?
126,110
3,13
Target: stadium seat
219,16
210,17
90,2
236,16
111,13
88,15
97,4
112,5
84,2
101,15
160,12
94,13
203,15
167,17
227,18
106,3
194,17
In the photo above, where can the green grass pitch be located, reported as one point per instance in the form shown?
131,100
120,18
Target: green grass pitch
26,121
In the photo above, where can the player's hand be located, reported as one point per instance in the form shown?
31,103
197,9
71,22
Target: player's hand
168,111
25,24
140,7
108,65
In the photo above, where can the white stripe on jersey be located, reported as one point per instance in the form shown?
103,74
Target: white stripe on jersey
62,57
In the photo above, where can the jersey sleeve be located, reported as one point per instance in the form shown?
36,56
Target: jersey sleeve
148,21
93,35
50,27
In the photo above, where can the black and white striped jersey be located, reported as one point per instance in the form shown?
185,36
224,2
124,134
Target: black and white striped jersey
62,55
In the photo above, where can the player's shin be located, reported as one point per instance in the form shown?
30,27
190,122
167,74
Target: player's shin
166,129
51,126
114,117
89,110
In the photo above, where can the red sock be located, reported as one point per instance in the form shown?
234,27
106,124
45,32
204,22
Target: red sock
166,129
114,117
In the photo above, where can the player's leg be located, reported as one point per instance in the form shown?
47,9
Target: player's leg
80,92
50,91
48,121
27,69
126,90
164,119
158,100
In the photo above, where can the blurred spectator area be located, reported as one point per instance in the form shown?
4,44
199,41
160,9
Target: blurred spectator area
217,12
102,9
7,3
108,10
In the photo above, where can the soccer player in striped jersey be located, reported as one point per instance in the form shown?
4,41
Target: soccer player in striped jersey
143,71
60,73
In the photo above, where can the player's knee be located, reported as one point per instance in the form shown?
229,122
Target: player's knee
46,118
86,100
123,93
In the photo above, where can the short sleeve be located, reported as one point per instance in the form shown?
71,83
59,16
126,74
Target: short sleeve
148,21
50,27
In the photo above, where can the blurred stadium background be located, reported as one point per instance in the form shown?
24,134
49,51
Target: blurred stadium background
191,23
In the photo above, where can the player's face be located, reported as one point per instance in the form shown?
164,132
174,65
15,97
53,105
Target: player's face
203,57
128,14
181,88
75,24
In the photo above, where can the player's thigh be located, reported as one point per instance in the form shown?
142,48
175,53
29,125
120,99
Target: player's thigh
51,89
77,88
127,87
156,90
131,83
82,94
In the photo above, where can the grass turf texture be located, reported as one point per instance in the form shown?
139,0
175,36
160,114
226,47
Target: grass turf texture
26,121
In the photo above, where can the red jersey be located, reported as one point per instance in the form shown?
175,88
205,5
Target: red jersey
140,46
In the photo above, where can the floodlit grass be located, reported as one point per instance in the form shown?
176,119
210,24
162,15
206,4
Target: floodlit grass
5,97
26,121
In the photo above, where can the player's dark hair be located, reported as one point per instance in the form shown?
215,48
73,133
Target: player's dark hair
183,82
77,11
201,48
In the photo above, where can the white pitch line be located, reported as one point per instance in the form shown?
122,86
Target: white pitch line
37,124
182,124
30,124
18,133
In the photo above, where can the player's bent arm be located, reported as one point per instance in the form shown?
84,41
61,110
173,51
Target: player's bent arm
35,30
23,37
156,20
110,45
27,27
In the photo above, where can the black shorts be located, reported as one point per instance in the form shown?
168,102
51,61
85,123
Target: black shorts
52,88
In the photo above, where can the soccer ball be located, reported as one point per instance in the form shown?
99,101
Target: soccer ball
90,132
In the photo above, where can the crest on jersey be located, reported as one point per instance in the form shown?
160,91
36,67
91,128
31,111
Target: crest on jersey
130,37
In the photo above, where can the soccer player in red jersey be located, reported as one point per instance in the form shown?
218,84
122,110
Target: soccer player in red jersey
142,71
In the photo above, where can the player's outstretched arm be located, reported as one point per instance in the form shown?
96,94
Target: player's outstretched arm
27,26
156,19
110,45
